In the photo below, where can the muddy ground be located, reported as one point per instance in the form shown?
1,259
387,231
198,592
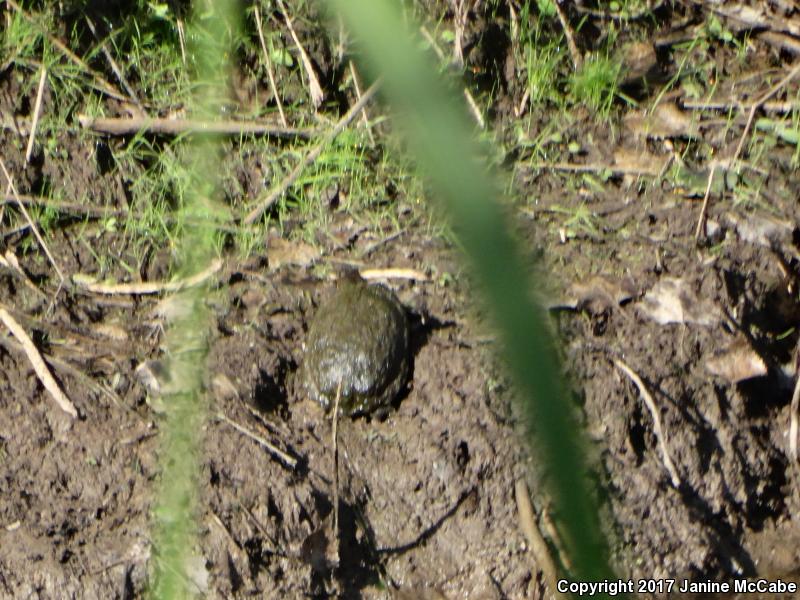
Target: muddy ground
708,323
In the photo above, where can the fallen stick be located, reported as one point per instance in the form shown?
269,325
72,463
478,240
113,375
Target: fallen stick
273,86
37,363
27,216
701,221
276,452
37,109
657,429
131,125
536,543
394,273
577,57
794,416
91,210
758,103
315,89
150,287
592,168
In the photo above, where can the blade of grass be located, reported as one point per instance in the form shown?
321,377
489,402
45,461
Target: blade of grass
213,27
440,136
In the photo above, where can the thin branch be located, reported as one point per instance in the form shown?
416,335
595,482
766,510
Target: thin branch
37,109
335,443
364,117
577,59
35,358
774,90
268,61
315,88
536,542
473,106
132,125
771,107
114,66
30,221
701,222
67,207
794,415
263,205
150,287
394,273
657,429
593,168
276,452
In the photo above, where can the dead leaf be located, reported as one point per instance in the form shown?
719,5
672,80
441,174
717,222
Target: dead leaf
672,301
599,294
634,160
666,121
759,229
286,252
737,363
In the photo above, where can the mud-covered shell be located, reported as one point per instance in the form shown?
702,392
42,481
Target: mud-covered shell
359,337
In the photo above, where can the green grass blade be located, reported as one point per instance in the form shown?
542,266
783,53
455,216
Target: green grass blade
211,34
440,136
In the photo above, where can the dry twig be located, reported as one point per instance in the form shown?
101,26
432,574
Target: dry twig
268,62
90,210
394,273
274,450
770,107
536,543
577,59
313,154
593,168
657,428
150,287
313,82
794,417
364,117
471,104
335,443
37,109
35,358
33,227
114,66
757,104
701,222
126,126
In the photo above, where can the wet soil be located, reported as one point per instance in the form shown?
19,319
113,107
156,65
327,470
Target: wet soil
426,495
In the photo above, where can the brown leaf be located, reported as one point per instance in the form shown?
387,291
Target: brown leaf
737,363
666,121
672,301
637,160
286,252
760,229
599,294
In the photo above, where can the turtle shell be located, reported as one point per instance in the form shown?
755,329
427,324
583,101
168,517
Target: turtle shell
357,339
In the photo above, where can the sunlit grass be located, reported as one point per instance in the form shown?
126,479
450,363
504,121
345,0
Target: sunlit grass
596,83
